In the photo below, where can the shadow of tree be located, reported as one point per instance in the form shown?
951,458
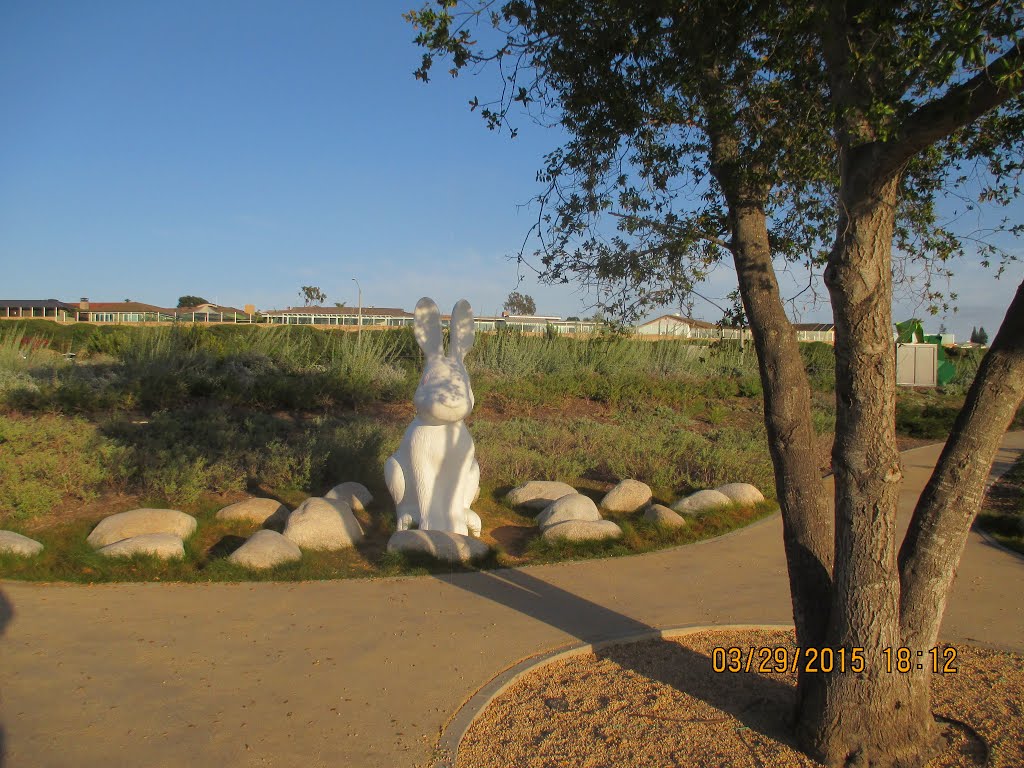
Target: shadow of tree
765,705
6,615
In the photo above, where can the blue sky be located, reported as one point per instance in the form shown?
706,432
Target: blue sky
240,150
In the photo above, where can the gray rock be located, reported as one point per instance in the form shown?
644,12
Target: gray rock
575,506
583,530
138,522
12,543
701,501
166,546
444,545
627,496
265,549
356,495
663,516
262,511
742,493
537,494
323,525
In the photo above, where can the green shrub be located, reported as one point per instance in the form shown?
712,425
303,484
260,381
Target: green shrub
47,458
820,362
925,420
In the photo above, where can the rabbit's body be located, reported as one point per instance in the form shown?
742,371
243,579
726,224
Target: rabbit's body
433,477
445,479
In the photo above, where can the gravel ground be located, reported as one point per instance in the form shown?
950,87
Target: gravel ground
659,703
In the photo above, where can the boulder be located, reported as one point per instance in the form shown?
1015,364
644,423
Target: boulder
701,501
575,506
537,494
321,524
262,511
166,546
265,549
742,493
12,543
138,522
663,516
627,496
583,530
356,495
444,545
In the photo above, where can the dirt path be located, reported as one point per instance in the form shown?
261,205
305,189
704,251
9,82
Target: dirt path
365,673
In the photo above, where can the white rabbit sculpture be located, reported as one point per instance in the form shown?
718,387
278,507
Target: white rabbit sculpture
433,477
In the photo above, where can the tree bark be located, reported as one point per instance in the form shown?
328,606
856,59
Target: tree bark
875,717
806,521
807,529
792,442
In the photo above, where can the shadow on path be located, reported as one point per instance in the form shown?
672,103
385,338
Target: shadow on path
761,703
6,614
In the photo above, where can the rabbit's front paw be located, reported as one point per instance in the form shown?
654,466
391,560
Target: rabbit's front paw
473,522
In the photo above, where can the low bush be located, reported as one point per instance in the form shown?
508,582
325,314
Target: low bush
48,460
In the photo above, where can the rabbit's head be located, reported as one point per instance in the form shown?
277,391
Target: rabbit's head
444,395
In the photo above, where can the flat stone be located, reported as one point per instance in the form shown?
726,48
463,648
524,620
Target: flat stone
322,524
356,495
265,549
742,493
627,496
444,545
661,515
575,506
701,501
583,530
138,522
12,543
262,511
537,494
166,546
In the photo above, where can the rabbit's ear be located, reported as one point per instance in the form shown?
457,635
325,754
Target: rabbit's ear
461,331
428,327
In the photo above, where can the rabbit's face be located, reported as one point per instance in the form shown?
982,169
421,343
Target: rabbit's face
444,395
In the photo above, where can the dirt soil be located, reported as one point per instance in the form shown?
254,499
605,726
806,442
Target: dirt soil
660,703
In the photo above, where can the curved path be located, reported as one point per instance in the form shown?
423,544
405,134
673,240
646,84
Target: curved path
366,673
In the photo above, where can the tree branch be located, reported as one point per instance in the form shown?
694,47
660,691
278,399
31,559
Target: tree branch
958,107
950,501
665,227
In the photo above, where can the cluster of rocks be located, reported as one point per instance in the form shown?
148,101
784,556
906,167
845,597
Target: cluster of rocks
157,532
326,523
568,514
731,493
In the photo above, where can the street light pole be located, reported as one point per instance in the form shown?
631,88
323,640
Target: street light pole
359,330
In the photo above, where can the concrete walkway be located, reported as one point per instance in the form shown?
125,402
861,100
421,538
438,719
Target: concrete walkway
366,673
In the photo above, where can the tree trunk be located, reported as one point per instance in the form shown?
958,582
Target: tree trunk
875,717
806,519
951,500
953,496
806,523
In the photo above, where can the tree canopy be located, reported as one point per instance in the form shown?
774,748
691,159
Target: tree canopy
630,204
190,301
520,304
311,294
